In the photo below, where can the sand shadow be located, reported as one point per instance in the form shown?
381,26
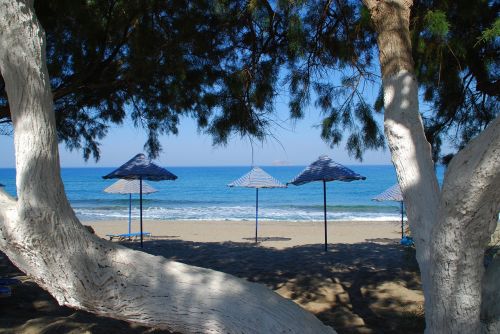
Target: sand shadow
355,288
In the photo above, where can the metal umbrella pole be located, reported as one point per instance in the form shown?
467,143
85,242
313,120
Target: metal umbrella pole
140,168
325,169
129,187
256,212
140,205
324,209
256,178
402,223
129,213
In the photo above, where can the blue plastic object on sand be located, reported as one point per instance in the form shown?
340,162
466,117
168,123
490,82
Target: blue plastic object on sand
407,241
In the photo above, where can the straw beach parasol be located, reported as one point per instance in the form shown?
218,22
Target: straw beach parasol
140,168
325,169
129,187
393,194
257,178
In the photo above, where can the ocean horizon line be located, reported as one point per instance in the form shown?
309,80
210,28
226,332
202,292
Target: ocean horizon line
219,166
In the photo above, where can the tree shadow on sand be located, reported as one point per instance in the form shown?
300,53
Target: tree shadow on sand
355,288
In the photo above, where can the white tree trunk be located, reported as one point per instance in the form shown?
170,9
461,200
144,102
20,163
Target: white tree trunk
452,226
40,233
468,215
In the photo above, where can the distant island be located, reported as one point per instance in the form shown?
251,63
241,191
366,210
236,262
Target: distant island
280,163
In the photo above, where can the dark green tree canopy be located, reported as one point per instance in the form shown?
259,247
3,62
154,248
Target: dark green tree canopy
223,63
458,67
159,60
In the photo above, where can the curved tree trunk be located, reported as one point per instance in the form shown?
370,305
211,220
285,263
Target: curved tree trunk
451,227
468,215
42,236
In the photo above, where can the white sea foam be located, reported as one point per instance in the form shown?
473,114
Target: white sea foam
230,213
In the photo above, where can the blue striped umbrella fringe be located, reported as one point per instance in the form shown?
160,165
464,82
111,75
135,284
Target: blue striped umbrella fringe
257,178
123,186
129,187
391,194
325,169
140,167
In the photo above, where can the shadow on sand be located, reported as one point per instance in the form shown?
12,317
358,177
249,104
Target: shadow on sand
355,288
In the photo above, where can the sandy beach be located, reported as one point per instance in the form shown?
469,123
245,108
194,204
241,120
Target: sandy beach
365,283
276,234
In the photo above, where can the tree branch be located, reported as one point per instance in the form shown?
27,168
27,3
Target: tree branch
467,216
472,181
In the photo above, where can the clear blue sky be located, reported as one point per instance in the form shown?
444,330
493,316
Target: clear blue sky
296,143
300,145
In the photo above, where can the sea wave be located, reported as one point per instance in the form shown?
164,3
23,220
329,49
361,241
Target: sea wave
107,202
348,208
235,213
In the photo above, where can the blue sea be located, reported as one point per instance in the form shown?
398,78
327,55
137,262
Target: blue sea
200,193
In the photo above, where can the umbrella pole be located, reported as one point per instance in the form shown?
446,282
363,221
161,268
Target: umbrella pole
256,212
140,205
129,213
402,224
324,209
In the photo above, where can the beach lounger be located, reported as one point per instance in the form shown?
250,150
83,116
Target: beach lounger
128,236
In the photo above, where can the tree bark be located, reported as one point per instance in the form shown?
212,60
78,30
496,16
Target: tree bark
42,236
467,217
452,226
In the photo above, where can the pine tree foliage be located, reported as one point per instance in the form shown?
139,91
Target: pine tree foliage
459,76
159,61
224,62
337,38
